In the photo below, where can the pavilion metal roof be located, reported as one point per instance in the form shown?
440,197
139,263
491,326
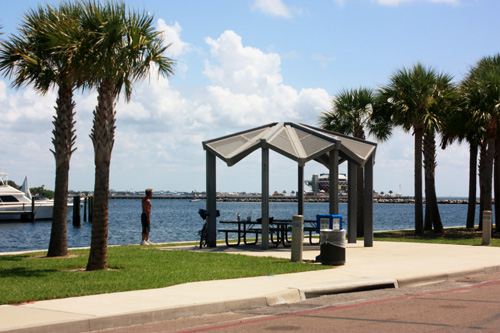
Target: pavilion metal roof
299,142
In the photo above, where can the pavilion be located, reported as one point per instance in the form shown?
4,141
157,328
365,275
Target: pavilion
301,143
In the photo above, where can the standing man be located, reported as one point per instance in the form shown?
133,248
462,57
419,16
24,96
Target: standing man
145,217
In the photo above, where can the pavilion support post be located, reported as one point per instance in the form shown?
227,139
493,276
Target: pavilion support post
300,193
368,203
265,197
352,201
334,181
211,200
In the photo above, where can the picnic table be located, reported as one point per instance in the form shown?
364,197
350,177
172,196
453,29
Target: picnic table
278,231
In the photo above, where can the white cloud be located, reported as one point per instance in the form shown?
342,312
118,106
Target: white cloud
340,3
164,129
25,107
399,2
177,48
172,35
395,3
159,133
3,91
394,163
26,133
323,60
273,7
244,69
248,88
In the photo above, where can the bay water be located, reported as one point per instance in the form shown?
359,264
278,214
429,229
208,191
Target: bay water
176,220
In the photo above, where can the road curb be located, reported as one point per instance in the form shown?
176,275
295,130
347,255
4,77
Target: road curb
287,296
291,295
149,316
419,280
345,286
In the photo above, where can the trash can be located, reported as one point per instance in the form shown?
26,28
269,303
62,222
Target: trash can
328,221
332,247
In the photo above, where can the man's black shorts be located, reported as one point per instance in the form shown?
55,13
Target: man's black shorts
145,225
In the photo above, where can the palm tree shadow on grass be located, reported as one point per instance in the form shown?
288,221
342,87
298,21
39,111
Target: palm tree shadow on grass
23,272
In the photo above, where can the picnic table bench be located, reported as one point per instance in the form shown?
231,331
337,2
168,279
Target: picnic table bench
278,231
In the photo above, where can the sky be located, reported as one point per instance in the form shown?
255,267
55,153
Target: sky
245,63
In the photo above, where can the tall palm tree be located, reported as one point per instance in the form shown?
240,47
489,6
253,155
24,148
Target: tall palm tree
496,176
443,102
123,47
463,124
34,57
352,114
413,96
481,90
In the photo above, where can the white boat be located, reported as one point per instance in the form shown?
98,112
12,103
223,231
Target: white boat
16,205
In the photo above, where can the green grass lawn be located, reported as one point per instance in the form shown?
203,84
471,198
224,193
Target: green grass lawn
32,277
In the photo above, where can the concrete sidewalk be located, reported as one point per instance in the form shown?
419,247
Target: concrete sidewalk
386,264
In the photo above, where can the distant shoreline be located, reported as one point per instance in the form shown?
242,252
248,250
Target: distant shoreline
242,198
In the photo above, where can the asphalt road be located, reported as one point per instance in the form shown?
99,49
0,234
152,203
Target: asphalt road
464,305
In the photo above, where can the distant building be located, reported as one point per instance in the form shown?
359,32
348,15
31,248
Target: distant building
321,183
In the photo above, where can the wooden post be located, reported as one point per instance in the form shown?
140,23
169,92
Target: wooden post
211,199
352,198
265,197
300,193
85,209
487,227
297,237
32,209
333,187
91,204
76,211
368,203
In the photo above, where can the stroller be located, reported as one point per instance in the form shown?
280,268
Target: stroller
203,233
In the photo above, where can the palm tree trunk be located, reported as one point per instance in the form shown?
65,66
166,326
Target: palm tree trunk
497,178
488,177
482,173
432,217
471,207
419,214
427,183
64,139
103,139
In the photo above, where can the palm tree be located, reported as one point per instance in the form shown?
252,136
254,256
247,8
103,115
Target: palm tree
122,47
413,96
352,114
496,175
463,124
481,90
34,57
443,102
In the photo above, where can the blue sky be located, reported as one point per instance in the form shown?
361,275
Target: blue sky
241,64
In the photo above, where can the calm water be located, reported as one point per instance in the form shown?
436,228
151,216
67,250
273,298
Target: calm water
178,220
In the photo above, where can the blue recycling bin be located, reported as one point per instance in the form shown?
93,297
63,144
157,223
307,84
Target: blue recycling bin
328,221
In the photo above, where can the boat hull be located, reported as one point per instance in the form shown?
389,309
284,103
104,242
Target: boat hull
22,212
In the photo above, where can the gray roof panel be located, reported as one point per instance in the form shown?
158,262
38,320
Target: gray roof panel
298,142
